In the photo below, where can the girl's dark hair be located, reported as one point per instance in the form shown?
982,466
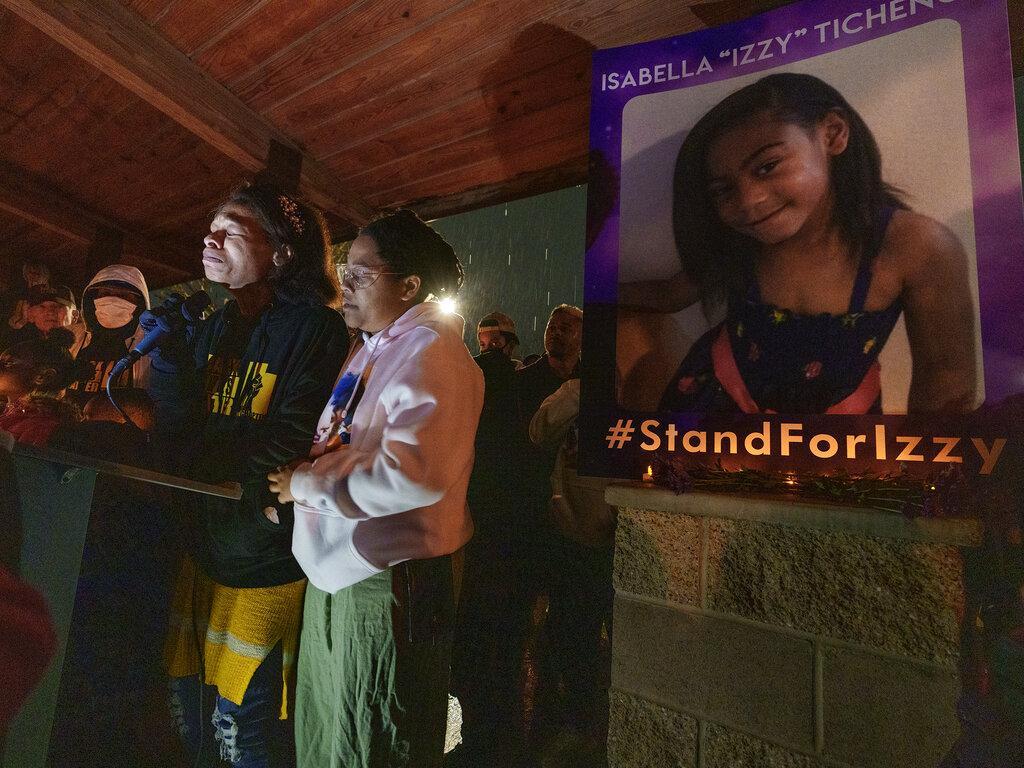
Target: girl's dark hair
717,258
410,246
309,276
52,351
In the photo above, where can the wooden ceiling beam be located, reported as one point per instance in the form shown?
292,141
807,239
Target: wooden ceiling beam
28,198
112,38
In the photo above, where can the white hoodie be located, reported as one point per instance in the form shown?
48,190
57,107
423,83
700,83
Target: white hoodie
398,490
121,273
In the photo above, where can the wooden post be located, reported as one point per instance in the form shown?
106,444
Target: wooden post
284,167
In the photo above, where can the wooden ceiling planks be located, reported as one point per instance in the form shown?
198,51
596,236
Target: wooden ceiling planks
533,66
255,46
198,187
22,48
353,46
191,24
65,226
507,143
383,144
611,23
150,10
186,214
116,146
110,38
108,35
101,119
442,105
116,152
525,70
567,174
77,126
159,177
43,86
35,241
534,159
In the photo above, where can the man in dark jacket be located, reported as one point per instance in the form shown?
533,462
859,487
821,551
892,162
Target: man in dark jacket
48,307
509,562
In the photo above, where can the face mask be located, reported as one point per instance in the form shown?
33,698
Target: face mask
112,312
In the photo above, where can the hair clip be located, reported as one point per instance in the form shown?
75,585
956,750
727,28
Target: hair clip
290,209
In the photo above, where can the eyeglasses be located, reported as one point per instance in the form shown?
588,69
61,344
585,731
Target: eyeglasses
358,278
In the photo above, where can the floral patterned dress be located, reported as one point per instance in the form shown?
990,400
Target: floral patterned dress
764,359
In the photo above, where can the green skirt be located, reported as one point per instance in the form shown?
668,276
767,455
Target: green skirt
372,688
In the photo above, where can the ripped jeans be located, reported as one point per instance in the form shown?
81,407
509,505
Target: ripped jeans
217,732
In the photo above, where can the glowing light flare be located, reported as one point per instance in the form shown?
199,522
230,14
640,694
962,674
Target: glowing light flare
447,305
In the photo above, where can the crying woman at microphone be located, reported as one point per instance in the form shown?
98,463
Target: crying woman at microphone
238,394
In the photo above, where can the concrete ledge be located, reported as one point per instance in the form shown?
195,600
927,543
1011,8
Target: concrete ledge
798,512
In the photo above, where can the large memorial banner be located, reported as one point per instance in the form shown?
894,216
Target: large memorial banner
805,239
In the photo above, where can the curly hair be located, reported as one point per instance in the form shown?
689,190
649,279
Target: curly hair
410,246
715,257
309,276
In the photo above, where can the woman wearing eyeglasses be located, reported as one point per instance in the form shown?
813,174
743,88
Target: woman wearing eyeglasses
381,507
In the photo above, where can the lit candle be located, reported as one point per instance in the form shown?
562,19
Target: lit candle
649,474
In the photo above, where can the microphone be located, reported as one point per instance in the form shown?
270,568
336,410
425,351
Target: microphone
170,318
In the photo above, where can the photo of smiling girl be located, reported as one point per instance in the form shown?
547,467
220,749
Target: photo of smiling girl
780,213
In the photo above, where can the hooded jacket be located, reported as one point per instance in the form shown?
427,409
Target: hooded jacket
130,335
393,454
250,404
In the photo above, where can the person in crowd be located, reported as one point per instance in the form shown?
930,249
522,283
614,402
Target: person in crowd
238,394
484,657
496,331
537,538
111,305
496,334
47,307
512,569
33,273
33,375
381,508
580,608
781,213
489,486
563,338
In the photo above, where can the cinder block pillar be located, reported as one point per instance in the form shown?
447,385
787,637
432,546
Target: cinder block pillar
753,632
